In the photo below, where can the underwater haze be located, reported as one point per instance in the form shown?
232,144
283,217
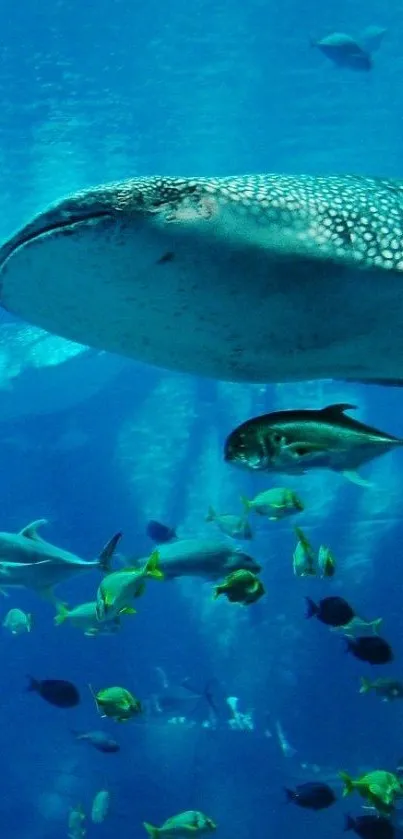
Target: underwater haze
98,444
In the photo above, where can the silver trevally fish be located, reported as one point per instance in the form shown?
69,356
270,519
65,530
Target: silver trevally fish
211,559
294,442
27,560
270,277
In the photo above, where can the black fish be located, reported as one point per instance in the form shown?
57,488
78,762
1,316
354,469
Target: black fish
56,691
373,649
333,611
99,740
294,441
312,795
160,533
370,826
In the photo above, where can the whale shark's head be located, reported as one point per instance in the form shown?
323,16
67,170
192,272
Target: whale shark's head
257,278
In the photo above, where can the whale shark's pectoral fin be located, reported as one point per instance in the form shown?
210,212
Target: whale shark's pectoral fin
355,478
30,531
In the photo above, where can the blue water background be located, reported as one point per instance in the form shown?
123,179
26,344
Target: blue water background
94,92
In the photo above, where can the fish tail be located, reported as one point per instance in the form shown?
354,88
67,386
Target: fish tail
311,608
365,685
349,822
62,614
376,625
33,684
152,567
348,783
151,830
211,514
107,552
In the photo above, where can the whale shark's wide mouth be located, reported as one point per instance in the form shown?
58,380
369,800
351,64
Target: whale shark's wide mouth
54,221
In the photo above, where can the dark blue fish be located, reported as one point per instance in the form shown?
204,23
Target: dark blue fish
373,649
312,795
160,533
370,826
55,691
333,611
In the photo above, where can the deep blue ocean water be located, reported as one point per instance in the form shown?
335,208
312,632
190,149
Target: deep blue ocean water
95,92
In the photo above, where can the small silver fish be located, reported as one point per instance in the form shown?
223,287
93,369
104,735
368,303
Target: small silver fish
237,527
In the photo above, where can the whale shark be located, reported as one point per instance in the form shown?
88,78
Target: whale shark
254,278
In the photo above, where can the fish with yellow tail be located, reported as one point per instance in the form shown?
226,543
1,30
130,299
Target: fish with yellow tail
304,563
275,503
230,524
294,442
117,703
190,823
17,622
388,689
76,821
117,590
241,587
380,788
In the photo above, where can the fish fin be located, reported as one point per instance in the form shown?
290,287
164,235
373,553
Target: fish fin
62,614
371,38
151,830
348,783
141,589
246,503
30,530
355,478
365,685
376,625
381,382
128,610
107,552
311,609
211,514
290,794
33,684
218,590
349,822
338,409
152,566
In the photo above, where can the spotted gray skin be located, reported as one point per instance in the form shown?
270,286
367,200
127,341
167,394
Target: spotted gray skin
254,278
